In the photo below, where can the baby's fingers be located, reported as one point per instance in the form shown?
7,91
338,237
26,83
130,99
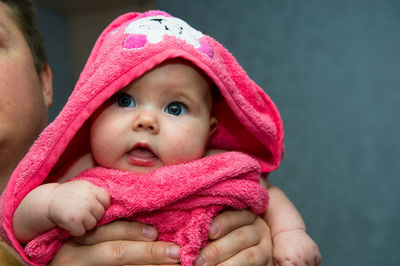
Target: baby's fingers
318,259
89,223
99,206
97,211
77,229
103,197
88,220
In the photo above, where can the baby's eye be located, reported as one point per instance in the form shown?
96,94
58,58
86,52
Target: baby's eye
175,108
125,100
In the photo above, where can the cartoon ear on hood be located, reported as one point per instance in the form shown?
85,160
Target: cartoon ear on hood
131,45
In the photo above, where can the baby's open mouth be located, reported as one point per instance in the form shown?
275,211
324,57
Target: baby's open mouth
142,152
142,156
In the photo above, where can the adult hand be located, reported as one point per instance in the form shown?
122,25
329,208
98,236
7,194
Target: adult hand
239,238
117,243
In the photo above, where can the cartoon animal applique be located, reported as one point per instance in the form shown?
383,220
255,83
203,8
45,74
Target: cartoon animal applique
152,29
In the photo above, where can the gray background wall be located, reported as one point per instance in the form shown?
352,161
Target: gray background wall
333,69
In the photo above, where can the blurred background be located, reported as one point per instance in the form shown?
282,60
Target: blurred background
332,68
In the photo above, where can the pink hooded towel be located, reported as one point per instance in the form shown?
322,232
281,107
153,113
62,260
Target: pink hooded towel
249,125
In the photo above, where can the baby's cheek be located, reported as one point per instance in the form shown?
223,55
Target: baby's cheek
185,149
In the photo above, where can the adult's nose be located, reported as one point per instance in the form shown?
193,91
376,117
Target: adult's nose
146,121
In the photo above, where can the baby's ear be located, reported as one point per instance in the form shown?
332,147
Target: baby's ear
213,126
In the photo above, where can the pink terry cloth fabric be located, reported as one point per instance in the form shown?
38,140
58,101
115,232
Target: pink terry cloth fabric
134,43
180,200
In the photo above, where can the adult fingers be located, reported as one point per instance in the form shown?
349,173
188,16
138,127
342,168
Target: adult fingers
260,254
228,221
117,253
247,245
118,230
251,256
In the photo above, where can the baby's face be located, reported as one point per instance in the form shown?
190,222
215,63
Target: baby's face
162,118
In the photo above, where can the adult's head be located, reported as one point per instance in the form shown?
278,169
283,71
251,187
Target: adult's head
25,83
23,14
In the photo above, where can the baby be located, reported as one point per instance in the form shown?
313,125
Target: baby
165,116
162,118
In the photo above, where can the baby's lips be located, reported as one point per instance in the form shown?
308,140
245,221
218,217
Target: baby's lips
142,152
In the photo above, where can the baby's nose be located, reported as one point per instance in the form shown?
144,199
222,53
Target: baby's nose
147,121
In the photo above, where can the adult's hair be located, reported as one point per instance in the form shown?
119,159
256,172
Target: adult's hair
24,15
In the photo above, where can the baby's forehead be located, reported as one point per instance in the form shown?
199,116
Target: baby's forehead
185,66
173,78
176,71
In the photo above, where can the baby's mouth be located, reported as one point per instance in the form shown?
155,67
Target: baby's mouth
142,156
142,152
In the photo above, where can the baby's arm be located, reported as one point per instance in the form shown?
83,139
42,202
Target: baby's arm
75,206
292,245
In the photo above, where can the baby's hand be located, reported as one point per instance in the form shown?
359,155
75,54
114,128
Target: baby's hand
77,206
295,247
